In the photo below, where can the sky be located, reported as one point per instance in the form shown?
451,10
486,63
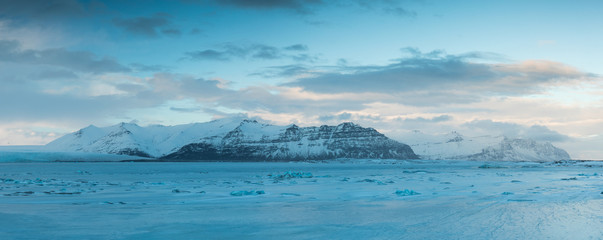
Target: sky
528,69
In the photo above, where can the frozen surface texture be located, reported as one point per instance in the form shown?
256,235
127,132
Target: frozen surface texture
363,199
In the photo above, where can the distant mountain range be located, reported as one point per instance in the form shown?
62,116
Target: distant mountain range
454,145
234,139
250,140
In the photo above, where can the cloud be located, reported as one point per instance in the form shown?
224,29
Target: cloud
401,12
100,97
148,68
196,31
231,51
177,109
152,26
54,74
265,52
81,61
43,10
297,47
436,119
435,74
208,54
299,6
34,103
339,117
23,134
513,130
293,70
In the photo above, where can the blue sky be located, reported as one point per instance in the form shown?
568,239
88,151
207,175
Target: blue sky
520,68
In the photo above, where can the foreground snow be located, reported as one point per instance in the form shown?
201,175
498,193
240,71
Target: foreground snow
325,200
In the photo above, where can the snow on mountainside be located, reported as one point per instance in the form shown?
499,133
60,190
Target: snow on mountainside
240,139
522,150
488,148
235,139
255,141
131,139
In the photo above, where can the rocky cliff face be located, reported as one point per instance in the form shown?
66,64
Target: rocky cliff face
255,141
229,139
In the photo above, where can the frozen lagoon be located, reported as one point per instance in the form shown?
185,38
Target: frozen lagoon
302,200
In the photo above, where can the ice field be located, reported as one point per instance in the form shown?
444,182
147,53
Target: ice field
302,200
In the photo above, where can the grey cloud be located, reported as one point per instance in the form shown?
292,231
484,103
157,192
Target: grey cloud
260,99
43,10
208,55
282,71
231,51
177,109
34,104
171,31
130,87
195,31
299,6
543,133
297,47
342,62
365,119
441,118
513,130
339,117
82,61
437,119
37,101
401,12
173,86
148,68
304,58
153,26
54,74
209,92
437,73
400,8
407,75
265,52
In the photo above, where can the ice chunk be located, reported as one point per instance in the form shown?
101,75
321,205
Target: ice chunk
406,192
490,166
291,174
246,193
179,191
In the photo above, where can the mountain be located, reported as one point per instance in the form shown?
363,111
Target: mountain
235,139
522,150
454,145
242,139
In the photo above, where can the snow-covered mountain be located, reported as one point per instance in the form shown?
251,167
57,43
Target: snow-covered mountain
454,145
235,139
241,139
151,141
521,150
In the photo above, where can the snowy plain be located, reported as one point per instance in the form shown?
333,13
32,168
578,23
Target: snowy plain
340,199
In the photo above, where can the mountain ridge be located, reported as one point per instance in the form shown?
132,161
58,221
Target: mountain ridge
246,139
454,145
235,139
